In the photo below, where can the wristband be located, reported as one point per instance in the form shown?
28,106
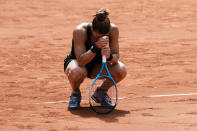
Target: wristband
95,49
110,58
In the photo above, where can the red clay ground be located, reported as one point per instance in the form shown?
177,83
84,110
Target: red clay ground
158,44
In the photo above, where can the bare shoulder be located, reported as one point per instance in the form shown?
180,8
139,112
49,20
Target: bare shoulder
114,29
114,26
80,33
81,27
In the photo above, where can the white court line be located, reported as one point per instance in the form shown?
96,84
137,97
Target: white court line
122,98
185,94
56,102
52,102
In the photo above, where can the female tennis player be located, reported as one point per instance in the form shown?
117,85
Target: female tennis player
85,58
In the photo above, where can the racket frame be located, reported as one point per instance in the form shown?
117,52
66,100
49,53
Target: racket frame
104,65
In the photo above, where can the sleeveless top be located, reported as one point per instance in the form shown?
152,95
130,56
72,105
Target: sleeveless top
97,59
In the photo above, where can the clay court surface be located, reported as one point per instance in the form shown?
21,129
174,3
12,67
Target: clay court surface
158,44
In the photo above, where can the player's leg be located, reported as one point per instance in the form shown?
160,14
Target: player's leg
76,75
118,71
99,95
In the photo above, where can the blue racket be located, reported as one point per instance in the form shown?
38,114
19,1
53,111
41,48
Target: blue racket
103,93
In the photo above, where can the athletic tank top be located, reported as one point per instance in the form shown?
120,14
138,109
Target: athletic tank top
88,44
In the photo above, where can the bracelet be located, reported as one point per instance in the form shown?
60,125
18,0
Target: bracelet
110,58
95,49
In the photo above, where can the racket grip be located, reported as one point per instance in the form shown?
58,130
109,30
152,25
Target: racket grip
104,59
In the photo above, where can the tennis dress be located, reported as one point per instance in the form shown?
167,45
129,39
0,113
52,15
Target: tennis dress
96,60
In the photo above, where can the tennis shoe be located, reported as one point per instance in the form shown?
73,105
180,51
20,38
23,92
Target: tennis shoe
102,98
75,100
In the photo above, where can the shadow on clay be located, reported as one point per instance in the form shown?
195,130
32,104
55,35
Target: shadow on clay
87,112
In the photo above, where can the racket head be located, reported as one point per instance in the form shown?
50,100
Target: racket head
103,98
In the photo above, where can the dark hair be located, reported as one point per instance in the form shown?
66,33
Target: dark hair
101,22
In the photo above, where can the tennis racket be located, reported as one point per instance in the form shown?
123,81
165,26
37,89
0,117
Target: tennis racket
103,93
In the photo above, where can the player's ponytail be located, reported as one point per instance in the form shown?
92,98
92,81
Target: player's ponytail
101,22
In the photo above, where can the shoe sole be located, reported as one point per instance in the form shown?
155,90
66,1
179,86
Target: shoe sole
73,108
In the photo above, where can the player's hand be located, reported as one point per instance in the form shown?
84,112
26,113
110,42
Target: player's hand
106,51
102,42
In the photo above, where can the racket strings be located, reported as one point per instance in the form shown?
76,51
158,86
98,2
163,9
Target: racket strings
103,95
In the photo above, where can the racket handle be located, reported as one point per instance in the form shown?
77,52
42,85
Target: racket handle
104,59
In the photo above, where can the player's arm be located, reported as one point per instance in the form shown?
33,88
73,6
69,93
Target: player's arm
114,44
83,57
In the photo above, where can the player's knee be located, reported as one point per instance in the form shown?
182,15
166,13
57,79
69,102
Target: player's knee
121,72
76,75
